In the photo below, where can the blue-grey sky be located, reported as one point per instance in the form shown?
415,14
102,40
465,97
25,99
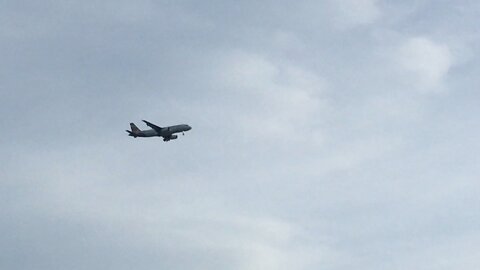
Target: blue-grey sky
334,134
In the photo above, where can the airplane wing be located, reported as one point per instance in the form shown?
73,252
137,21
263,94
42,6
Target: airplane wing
155,127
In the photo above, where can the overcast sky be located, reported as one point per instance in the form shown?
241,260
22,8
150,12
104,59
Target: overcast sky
333,134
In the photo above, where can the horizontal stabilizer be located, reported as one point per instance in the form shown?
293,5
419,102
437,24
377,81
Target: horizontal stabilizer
131,133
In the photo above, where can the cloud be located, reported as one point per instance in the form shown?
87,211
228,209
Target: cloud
275,99
426,61
351,13
317,142
157,218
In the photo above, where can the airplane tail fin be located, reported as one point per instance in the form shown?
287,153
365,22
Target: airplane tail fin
134,128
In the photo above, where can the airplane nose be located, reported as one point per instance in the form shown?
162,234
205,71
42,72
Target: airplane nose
189,127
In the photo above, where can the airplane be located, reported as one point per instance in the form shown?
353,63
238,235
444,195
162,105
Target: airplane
168,133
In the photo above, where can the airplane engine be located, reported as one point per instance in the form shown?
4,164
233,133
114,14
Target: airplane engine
172,137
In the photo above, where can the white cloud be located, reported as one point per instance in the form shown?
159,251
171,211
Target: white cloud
287,41
281,98
355,12
426,61
152,217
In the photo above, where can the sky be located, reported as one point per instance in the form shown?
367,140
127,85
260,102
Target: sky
333,134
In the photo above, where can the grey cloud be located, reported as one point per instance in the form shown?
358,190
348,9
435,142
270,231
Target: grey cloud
313,146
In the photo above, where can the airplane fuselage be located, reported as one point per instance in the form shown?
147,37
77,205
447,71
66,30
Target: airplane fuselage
165,132
168,133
